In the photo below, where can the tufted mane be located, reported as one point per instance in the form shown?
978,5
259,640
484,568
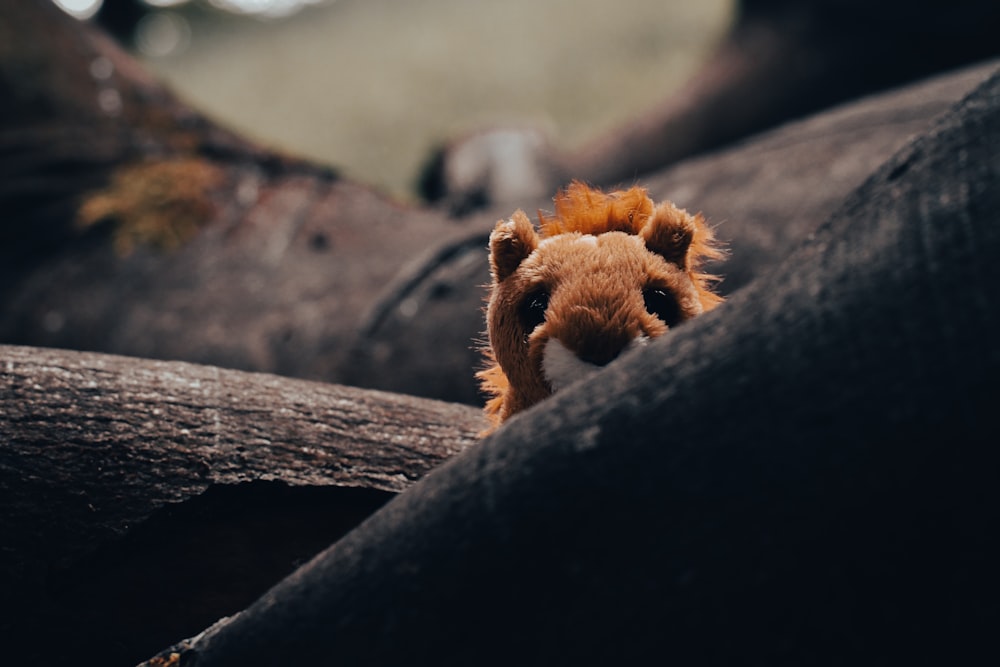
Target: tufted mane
579,208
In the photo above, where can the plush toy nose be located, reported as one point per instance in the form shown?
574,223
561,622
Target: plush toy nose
595,336
601,352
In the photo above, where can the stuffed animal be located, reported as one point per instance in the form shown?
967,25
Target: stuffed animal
606,273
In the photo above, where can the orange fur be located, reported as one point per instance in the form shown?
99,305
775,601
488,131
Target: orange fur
584,281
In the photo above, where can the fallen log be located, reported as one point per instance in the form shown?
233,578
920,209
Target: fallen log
832,483
804,475
142,499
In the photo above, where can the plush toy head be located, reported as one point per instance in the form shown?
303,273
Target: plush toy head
607,273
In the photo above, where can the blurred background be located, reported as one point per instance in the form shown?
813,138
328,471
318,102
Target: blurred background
372,86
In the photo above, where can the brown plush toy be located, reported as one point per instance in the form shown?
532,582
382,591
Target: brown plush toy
608,272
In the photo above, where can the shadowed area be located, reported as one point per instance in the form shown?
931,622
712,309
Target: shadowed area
184,567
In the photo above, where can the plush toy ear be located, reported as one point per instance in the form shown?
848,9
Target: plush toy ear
669,232
511,241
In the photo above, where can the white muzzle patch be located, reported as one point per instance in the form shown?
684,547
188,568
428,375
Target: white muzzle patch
561,367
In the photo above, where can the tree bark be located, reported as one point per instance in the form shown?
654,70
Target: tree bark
805,475
142,500
125,481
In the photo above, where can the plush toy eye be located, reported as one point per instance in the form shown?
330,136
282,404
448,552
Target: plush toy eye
662,303
532,310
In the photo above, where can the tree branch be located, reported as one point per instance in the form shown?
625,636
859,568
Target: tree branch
101,453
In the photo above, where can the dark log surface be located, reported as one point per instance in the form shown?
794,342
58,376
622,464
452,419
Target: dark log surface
805,475
143,499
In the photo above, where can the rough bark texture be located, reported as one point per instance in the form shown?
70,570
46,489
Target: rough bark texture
810,466
805,475
142,499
